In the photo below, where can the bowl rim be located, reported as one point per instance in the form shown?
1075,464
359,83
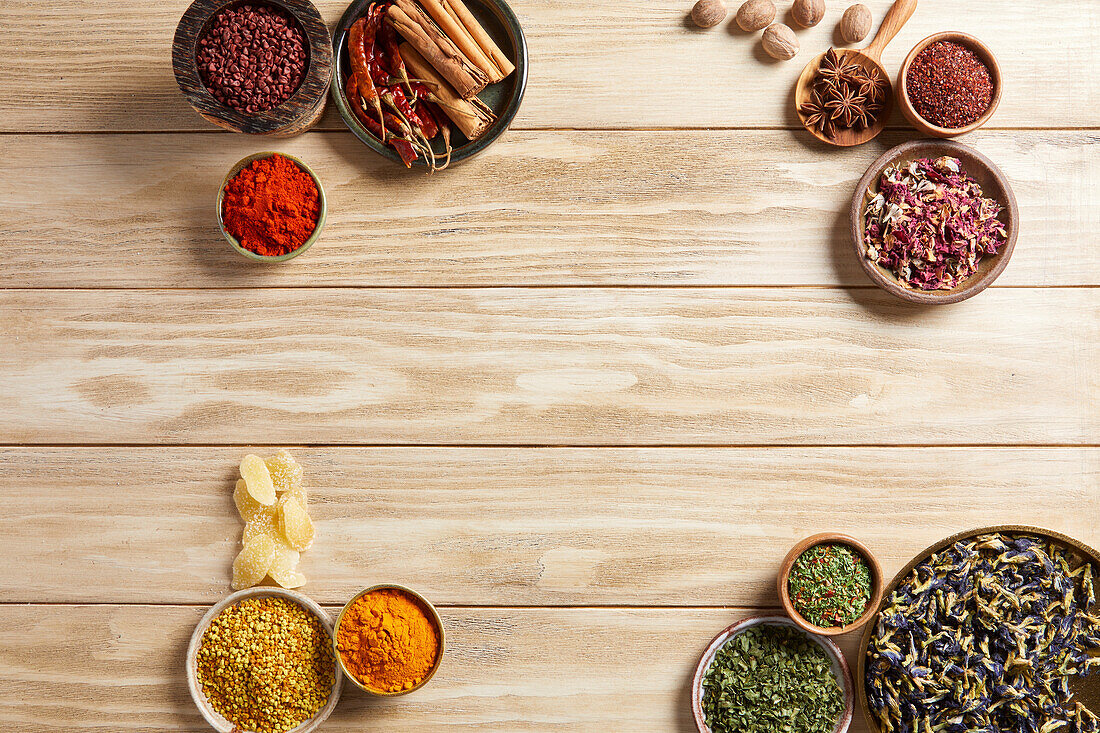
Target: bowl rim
830,538
512,26
321,218
433,614
211,716
300,104
865,637
973,285
844,678
983,52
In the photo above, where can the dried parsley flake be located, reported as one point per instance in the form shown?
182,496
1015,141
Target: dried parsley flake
771,679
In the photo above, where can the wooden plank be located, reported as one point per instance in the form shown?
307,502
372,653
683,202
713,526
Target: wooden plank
120,668
548,366
699,527
138,211
620,67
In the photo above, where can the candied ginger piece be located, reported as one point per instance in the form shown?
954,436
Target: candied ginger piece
284,568
294,523
253,562
258,479
247,507
286,473
263,525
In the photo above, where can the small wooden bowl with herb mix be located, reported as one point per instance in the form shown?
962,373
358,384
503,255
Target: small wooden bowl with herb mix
949,85
290,681
382,663
830,584
806,675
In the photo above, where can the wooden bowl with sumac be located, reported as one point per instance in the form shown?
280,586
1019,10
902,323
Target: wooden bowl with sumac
258,67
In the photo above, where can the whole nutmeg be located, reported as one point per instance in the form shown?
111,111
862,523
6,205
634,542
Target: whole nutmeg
780,42
808,13
756,14
708,13
856,23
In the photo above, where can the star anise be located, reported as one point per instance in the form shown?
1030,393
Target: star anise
845,106
864,118
814,112
845,95
830,68
872,88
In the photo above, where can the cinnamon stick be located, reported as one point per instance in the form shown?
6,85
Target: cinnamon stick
469,35
483,40
418,28
471,116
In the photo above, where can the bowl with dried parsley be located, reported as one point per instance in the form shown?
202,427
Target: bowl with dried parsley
764,674
261,661
830,584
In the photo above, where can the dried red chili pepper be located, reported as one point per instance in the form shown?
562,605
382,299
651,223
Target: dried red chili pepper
359,56
400,144
392,55
379,77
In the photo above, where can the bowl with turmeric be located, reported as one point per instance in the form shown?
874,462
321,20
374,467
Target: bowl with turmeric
271,207
389,640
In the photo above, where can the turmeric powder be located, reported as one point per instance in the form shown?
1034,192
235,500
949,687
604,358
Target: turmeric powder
388,641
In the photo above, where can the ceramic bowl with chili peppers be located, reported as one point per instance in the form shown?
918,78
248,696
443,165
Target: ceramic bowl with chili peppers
271,207
830,584
431,83
949,85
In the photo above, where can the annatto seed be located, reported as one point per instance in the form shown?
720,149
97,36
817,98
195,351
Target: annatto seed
245,53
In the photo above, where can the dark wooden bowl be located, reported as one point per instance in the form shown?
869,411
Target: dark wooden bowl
994,185
503,98
292,117
830,538
1085,689
987,57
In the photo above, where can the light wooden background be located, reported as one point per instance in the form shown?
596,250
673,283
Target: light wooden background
583,392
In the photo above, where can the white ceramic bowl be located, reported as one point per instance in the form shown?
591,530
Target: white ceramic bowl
212,716
840,667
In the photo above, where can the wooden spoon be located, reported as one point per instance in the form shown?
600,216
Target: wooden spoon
869,58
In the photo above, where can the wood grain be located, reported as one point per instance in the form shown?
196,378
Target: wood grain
486,526
538,208
548,366
120,668
105,64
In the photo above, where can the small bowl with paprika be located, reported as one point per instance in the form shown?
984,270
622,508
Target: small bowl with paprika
389,640
271,207
949,85
830,584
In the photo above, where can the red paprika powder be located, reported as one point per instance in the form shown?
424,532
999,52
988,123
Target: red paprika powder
272,206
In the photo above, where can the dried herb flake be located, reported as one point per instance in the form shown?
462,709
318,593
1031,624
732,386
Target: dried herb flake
771,678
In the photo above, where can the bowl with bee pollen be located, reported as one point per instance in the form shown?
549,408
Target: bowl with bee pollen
210,714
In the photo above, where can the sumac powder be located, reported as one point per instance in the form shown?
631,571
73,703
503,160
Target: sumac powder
948,85
272,206
252,57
